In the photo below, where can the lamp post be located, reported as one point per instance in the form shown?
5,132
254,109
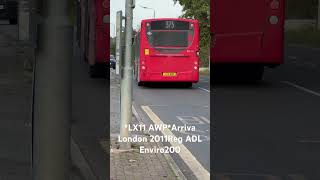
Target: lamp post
52,92
126,79
154,11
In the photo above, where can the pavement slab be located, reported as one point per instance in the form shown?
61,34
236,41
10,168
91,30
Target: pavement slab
132,164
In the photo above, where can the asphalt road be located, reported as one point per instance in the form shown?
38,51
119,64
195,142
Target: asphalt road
272,127
173,104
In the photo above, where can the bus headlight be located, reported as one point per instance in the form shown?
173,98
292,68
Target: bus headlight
195,67
143,67
273,20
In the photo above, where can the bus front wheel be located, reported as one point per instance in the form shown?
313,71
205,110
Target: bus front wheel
99,71
257,74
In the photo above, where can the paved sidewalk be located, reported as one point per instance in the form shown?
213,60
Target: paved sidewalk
15,115
131,165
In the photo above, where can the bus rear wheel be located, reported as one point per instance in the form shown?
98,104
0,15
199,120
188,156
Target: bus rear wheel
13,21
237,72
98,71
258,75
140,83
188,85
255,73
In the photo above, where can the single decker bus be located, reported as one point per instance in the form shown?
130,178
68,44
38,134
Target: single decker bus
167,50
247,36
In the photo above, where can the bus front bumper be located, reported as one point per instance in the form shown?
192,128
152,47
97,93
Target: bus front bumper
189,76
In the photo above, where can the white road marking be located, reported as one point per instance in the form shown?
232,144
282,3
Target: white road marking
190,120
293,57
135,113
157,105
203,89
198,170
301,88
205,119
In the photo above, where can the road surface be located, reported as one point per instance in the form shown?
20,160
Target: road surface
180,106
272,127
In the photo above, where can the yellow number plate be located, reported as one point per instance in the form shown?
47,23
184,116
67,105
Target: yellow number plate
169,74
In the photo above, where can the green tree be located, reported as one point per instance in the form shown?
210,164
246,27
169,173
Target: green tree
297,9
199,10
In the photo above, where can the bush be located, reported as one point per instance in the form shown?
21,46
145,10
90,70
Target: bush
309,37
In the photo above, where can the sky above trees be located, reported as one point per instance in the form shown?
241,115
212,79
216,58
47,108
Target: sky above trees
163,8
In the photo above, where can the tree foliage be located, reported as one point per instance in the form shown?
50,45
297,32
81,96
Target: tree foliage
297,9
199,10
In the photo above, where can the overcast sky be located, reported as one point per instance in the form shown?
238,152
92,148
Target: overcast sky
163,8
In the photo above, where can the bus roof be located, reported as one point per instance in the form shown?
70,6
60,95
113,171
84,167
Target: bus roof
169,19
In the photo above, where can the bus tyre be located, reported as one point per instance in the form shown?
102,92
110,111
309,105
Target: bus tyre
258,74
13,21
140,83
99,71
93,71
188,85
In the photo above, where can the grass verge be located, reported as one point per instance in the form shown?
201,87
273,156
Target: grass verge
307,37
204,71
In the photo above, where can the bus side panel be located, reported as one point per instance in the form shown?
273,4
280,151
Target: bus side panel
83,27
101,45
107,30
273,41
212,34
102,32
238,27
92,33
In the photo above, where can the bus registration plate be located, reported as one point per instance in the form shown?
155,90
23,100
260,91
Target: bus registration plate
169,74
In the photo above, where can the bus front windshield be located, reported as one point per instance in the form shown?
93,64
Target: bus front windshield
170,34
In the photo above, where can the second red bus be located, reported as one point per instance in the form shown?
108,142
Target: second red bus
247,36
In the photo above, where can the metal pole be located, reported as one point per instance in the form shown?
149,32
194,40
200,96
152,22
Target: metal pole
126,81
118,42
154,13
52,94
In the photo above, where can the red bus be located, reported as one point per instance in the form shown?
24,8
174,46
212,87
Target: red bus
167,50
95,35
247,35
